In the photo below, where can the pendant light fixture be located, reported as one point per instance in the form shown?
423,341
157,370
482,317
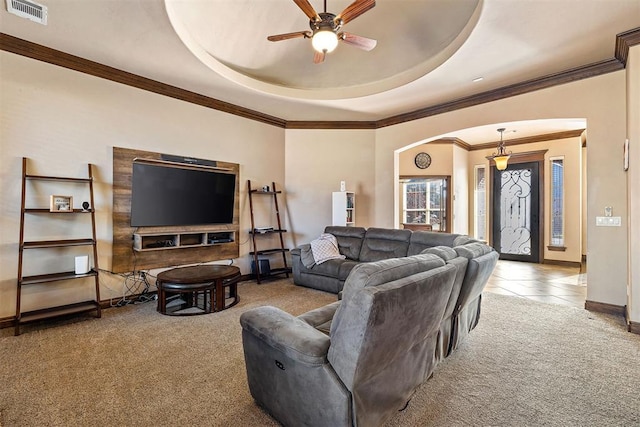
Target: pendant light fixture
501,157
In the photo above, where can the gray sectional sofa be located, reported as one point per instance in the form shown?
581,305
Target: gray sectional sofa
474,262
408,299
363,245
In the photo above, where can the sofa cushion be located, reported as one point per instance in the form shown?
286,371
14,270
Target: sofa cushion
444,252
375,273
421,240
380,243
349,239
329,268
473,250
345,269
321,317
464,240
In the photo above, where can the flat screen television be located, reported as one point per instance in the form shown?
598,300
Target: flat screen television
176,195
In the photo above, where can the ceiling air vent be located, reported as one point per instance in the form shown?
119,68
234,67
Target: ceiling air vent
28,9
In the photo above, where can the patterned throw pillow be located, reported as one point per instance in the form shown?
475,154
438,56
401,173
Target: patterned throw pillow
325,248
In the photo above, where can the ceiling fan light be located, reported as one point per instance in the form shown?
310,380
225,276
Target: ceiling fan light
324,41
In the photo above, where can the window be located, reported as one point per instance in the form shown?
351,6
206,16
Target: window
425,201
480,203
557,202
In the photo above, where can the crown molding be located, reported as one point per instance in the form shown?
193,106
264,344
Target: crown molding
292,124
42,53
624,41
452,140
519,141
530,139
55,57
550,80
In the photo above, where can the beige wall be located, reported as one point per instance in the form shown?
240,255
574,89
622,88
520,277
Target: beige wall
461,173
601,101
583,193
62,120
316,162
441,160
633,182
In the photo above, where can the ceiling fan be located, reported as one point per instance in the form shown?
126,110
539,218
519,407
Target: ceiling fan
325,28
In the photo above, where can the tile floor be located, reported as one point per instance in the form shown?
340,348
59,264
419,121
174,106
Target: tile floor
540,282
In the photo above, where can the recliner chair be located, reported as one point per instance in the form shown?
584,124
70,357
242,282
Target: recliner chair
379,349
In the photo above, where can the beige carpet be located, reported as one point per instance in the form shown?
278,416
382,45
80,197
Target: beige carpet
527,363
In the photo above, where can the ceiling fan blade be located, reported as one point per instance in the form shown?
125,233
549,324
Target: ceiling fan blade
287,36
358,41
354,10
307,9
318,57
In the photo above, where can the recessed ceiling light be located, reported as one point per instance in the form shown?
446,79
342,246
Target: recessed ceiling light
478,79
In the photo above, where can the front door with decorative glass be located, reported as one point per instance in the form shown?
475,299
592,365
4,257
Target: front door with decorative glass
426,201
516,212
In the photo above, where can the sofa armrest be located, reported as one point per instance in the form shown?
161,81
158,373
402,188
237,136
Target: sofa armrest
305,254
286,333
304,246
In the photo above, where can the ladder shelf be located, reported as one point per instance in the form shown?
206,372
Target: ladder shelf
256,233
23,317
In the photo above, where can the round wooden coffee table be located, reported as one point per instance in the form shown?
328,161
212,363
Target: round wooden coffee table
201,288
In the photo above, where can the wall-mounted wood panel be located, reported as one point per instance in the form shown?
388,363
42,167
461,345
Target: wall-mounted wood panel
124,257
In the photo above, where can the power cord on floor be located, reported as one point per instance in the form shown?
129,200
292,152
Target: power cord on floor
135,283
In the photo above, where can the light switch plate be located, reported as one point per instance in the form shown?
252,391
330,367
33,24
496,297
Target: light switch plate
608,221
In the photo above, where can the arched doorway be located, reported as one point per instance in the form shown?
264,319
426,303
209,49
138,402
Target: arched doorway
555,274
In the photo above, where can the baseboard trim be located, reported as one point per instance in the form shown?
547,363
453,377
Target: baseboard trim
562,263
633,327
7,322
602,307
246,277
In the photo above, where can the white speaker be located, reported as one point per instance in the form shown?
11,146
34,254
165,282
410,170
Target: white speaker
82,264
